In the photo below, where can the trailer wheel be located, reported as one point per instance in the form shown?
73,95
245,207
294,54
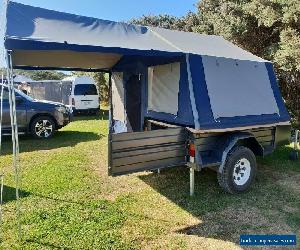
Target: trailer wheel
239,170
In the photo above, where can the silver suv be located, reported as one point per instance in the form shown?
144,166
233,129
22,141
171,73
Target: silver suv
39,118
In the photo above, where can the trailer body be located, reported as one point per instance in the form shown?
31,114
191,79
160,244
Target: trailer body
168,146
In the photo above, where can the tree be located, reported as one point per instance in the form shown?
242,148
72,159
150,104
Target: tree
38,75
186,23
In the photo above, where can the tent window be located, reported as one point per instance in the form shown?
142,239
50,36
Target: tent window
163,88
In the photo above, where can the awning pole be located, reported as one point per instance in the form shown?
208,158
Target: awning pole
1,111
110,103
2,172
15,137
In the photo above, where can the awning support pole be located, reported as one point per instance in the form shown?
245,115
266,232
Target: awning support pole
15,137
110,103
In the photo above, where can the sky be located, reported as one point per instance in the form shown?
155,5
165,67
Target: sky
115,10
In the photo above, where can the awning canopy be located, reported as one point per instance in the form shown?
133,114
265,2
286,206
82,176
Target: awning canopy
32,31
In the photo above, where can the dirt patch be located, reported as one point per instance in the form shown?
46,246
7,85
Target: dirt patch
291,182
191,242
230,223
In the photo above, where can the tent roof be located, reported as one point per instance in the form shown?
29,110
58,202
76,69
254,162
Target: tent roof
36,29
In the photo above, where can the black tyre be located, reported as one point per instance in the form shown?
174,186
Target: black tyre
42,127
239,170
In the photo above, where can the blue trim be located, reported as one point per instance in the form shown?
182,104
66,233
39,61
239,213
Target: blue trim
185,112
249,120
243,121
15,44
206,117
58,68
284,115
131,62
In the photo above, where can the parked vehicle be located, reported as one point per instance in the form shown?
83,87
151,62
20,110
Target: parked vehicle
84,96
39,118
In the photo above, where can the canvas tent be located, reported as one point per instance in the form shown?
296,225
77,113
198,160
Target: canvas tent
198,81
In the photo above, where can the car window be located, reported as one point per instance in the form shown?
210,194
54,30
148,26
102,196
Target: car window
85,89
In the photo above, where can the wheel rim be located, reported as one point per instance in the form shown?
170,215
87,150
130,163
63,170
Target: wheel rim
43,128
241,172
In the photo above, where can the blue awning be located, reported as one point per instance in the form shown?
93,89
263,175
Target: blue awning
32,31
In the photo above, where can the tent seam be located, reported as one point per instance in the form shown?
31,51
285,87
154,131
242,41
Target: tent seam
165,40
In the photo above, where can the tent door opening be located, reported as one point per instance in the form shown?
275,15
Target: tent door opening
131,149
133,92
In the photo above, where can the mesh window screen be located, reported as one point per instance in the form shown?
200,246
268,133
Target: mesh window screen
163,88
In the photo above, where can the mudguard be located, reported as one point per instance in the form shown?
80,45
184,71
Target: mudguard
228,142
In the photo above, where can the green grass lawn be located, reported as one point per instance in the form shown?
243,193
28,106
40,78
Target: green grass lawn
69,202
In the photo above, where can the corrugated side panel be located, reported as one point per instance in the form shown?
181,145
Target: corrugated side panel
139,151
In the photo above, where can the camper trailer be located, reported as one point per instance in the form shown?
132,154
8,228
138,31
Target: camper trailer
176,98
229,113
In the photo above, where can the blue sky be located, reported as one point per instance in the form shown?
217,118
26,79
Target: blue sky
116,10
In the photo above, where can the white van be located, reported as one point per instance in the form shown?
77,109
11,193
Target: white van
84,97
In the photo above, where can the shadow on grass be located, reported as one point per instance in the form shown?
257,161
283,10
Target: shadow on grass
103,115
61,139
9,194
223,216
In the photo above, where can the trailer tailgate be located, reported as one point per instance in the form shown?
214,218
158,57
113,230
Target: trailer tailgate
139,151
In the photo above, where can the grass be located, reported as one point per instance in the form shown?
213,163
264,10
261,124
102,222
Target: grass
69,202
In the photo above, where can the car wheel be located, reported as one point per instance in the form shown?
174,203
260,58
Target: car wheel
43,127
239,170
